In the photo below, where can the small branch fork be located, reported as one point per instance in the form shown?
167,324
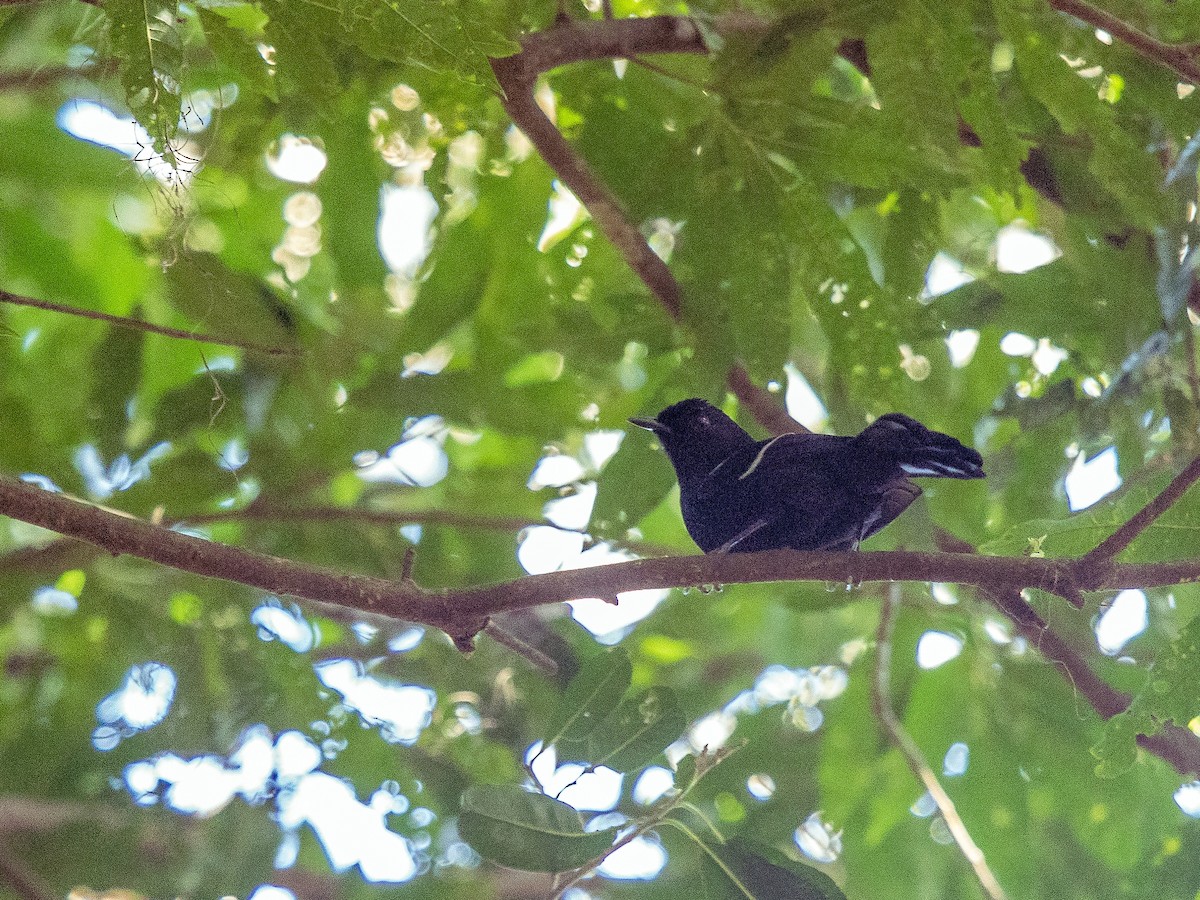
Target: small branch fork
882,705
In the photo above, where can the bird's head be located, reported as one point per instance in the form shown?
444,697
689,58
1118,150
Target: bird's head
695,434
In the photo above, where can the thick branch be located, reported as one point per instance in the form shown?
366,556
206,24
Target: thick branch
139,325
462,612
119,534
1182,59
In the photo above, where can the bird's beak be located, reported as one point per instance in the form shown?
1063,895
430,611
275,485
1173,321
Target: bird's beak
650,425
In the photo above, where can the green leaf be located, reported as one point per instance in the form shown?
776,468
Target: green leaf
1171,694
535,369
754,871
226,303
148,48
233,33
633,483
454,36
638,731
117,364
523,830
1171,536
591,696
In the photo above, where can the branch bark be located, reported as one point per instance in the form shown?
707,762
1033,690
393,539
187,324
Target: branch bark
1173,744
139,325
571,42
463,612
1182,59
1144,517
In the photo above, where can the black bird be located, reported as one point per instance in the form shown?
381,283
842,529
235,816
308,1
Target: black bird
803,491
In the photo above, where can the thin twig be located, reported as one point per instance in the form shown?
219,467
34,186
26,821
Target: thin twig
705,763
260,511
882,705
410,556
665,72
535,656
139,325
1179,58
24,881
45,76
267,512
1112,545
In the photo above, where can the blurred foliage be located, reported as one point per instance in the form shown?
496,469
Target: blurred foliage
804,179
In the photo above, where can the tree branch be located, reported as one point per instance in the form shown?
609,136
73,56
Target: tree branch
21,879
517,76
1112,545
882,705
763,405
44,76
1182,59
1176,746
571,42
139,325
463,612
260,511
535,656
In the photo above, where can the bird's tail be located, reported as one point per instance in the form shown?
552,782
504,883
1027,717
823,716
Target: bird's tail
919,451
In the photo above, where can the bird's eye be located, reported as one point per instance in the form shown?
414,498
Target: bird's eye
703,420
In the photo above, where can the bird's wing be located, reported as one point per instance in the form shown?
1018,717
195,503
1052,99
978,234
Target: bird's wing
801,483
803,458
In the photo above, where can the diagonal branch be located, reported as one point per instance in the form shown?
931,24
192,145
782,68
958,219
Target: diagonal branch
1176,746
517,75
570,42
881,703
1182,59
20,878
1112,545
139,325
